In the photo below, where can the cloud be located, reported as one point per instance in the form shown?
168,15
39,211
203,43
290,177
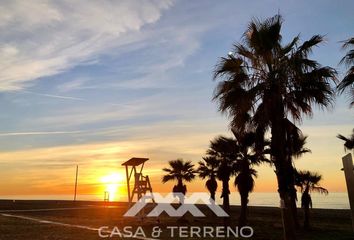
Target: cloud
7,134
144,108
48,167
72,85
173,139
146,62
51,95
41,38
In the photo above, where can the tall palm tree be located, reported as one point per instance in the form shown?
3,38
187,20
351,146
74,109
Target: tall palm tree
348,141
265,81
309,182
348,81
208,169
224,150
179,171
248,156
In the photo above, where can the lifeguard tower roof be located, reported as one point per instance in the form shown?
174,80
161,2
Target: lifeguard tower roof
135,161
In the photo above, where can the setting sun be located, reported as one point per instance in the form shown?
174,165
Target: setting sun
112,183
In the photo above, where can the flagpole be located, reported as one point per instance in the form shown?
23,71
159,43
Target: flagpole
77,171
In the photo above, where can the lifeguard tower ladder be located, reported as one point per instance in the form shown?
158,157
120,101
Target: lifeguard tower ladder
141,183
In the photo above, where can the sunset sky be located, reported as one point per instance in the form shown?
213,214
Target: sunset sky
95,83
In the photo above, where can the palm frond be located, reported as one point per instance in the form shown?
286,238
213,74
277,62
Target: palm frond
179,169
320,190
167,178
348,141
307,46
310,181
347,83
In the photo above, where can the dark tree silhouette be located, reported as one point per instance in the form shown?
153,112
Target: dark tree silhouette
347,84
265,81
248,156
224,150
348,141
308,182
208,169
179,171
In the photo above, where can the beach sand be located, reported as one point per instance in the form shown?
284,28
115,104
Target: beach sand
55,219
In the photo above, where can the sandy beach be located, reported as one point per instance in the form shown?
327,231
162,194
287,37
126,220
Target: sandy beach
80,220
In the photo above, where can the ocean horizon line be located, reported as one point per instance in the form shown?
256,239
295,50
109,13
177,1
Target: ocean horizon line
334,200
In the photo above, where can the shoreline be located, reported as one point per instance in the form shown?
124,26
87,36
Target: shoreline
124,203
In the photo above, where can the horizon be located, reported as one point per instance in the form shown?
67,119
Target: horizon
132,79
334,200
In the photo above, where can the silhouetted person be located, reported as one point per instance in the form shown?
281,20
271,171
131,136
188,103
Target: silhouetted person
306,204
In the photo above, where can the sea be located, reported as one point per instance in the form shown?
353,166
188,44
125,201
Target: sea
336,200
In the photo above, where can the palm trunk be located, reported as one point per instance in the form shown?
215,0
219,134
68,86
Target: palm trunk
213,188
293,194
307,218
180,184
212,196
283,167
287,216
180,190
306,206
243,214
225,196
294,209
226,201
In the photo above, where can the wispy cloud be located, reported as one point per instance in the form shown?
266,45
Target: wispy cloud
151,60
97,159
51,95
8,134
72,85
41,38
173,106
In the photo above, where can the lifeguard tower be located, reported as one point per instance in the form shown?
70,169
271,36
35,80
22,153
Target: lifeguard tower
134,168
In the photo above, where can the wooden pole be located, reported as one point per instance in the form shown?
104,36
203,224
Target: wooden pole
349,177
128,184
77,172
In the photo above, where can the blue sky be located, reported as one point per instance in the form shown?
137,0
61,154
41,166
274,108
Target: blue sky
138,74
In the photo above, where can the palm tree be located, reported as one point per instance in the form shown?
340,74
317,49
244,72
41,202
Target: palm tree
348,141
224,150
208,169
179,171
309,182
348,81
248,156
265,81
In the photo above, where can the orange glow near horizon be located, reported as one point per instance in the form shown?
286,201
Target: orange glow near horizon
51,170
112,184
